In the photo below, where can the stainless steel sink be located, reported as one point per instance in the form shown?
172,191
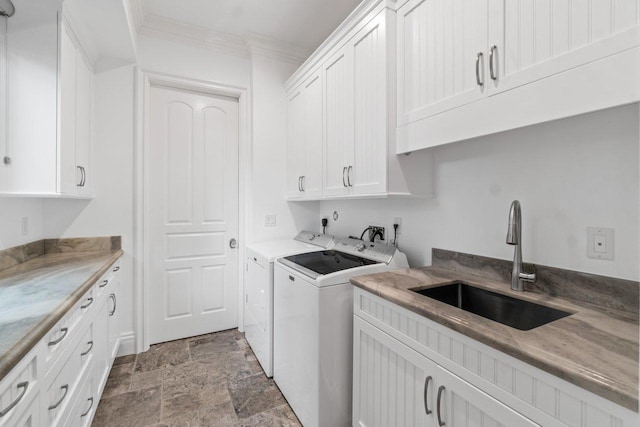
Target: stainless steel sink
514,312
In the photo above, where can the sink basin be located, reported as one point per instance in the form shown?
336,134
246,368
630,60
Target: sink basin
517,313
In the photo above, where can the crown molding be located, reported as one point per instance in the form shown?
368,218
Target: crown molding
257,44
140,9
177,31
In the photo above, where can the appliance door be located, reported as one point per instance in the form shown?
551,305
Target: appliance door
295,343
258,311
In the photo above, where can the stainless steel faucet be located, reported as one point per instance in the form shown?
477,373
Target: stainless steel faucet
514,237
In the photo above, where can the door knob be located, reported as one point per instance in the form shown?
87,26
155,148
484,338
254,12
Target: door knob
233,243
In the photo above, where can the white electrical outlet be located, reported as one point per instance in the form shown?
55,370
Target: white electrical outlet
269,220
600,243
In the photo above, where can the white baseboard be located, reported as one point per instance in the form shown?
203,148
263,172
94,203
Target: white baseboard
127,344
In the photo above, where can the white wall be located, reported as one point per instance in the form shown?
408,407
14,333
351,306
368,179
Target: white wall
111,211
569,175
12,210
269,155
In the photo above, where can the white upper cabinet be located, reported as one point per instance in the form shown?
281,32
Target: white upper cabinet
441,56
352,137
304,140
75,116
469,68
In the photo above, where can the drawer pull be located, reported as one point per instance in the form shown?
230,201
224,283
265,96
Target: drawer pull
344,171
478,59
115,303
89,302
492,55
440,390
24,386
59,402
57,341
104,283
426,390
88,410
84,353
116,268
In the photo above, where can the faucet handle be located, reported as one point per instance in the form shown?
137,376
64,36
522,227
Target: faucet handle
527,277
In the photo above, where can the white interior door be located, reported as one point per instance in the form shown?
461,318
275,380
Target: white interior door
193,213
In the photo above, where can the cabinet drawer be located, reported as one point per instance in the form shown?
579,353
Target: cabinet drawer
86,403
19,387
107,278
29,415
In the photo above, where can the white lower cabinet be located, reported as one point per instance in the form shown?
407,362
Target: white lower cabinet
396,386
411,371
60,381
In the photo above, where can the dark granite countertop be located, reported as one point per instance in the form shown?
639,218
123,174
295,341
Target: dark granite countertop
38,292
593,349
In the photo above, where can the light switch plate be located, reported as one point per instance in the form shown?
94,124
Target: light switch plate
269,220
600,243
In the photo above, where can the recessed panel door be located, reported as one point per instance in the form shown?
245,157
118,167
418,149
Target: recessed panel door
193,213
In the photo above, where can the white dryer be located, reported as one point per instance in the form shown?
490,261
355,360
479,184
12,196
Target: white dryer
258,284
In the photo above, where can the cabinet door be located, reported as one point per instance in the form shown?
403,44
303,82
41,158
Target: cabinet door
390,386
295,144
461,404
312,176
438,44
338,147
101,342
113,320
68,172
83,125
369,172
537,38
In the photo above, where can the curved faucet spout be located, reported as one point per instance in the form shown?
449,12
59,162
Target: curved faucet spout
514,237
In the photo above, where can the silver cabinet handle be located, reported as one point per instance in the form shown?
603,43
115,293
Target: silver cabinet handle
233,243
84,353
56,341
426,390
492,55
478,59
24,386
344,171
79,184
88,410
89,302
304,181
59,402
115,303
83,176
440,391
299,183
349,170
104,283
116,268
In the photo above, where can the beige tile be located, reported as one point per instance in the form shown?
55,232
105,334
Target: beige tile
208,345
141,380
281,416
123,360
119,380
221,415
161,355
181,398
134,408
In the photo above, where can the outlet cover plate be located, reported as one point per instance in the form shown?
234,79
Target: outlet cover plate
600,243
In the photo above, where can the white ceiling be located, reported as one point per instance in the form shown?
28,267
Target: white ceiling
305,23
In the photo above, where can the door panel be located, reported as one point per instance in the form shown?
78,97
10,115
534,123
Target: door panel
193,187
438,43
338,78
313,137
296,161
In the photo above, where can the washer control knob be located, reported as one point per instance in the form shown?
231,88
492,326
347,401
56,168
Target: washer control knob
361,247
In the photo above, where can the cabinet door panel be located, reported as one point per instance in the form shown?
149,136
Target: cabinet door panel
464,405
312,183
539,38
338,151
295,144
68,171
83,124
438,43
389,381
370,108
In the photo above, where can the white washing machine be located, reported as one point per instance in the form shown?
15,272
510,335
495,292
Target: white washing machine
313,326
258,283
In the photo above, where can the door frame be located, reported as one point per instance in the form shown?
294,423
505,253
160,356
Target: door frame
144,80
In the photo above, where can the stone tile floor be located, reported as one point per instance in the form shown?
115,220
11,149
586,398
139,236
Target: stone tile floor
209,380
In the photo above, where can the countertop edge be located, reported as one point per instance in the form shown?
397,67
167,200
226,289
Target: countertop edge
22,348
624,396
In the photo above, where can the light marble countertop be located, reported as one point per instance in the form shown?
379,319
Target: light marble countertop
594,349
36,294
